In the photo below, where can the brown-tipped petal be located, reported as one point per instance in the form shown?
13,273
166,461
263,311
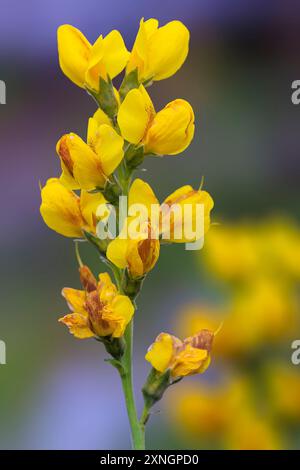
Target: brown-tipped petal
87,279
201,340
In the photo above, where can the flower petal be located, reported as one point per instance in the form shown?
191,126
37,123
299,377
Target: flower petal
78,325
141,193
87,168
190,361
75,299
115,54
60,209
117,252
89,203
168,49
109,146
161,352
120,313
107,289
74,53
135,114
171,130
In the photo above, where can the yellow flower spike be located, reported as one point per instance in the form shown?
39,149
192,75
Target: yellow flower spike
158,52
88,165
65,212
100,312
169,132
189,357
84,63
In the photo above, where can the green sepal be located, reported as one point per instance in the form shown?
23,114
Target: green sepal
115,347
134,156
155,386
131,287
101,245
130,81
106,97
112,191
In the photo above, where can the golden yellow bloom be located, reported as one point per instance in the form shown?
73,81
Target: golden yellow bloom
158,52
88,165
139,255
186,199
192,356
99,310
168,132
284,390
84,63
173,216
140,252
67,213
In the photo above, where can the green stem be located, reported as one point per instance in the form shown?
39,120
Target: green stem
125,371
137,430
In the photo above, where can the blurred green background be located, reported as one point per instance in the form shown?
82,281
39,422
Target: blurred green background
56,392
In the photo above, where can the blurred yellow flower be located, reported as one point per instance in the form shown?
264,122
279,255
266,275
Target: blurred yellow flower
240,251
252,432
88,165
192,356
284,390
205,410
158,52
231,252
261,313
84,63
168,132
65,212
99,310
223,414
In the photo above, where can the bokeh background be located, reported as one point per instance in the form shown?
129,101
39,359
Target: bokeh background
57,392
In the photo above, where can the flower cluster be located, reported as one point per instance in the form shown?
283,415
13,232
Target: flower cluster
124,130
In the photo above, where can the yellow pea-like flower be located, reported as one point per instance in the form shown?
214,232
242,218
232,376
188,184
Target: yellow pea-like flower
168,132
182,358
65,212
158,52
88,165
84,63
98,310
138,255
174,224
171,222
